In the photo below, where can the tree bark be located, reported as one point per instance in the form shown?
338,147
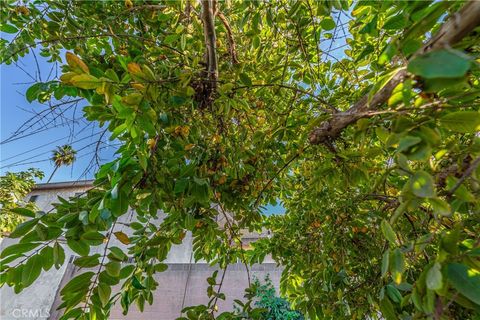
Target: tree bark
454,30
231,41
208,19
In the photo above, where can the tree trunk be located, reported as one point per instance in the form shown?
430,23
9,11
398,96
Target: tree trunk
208,19
54,170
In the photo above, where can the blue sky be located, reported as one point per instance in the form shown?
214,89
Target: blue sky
32,147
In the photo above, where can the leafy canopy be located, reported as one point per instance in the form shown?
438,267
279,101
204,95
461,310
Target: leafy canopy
276,307
14,187
223,107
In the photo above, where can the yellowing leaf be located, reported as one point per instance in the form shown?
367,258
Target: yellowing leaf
222,180
151,143
138,86
148,73
85,81
132,99
122,237
67,77
76,63
134,69
189,146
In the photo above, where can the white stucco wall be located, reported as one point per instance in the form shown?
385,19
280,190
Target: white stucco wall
36,301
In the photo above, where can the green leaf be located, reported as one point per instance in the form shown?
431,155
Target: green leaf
449,241
387,309
245,79
397,265
42,231
117,254
113,268
88,261
443,63
47,258
440,206
114,192
118,130
31,270
136,283
393,293
385,262
24,212
80,282
23,228
161,267
180,185
58,255
464,280
132,99
327,23
434,277
462,121
422,184
33,92
104,291
388,232
18,248
8,28
127,271
108,279
93,235
395,22
79,246
407,142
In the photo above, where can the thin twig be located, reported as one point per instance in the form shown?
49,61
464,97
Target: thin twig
473,166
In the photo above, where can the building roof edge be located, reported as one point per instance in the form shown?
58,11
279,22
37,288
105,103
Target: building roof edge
63,185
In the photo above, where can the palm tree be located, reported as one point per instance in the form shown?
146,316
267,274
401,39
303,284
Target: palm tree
62,156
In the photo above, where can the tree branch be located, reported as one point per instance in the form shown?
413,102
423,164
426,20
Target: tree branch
464,176
231,41
457,27
147,6
208,19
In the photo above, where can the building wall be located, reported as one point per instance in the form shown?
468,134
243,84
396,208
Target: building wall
183,284
35,301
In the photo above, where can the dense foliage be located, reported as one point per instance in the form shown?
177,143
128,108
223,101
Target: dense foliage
225,107
276,307
13,189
